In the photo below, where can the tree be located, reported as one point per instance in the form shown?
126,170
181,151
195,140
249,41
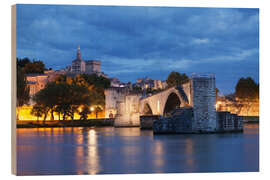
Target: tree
97,81
42,103
65,95
31,66
246,88
37,111
34,67
22,90
96,86
22,62
84,113
64,79
97,110
247,92
78,95
62,98
176,79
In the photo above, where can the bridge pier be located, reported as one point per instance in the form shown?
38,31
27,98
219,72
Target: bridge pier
128,112
204,102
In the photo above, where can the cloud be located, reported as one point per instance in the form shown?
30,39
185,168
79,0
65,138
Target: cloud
199,41
241,55
138,41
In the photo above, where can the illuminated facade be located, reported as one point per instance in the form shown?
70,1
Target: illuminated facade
246,109
36,82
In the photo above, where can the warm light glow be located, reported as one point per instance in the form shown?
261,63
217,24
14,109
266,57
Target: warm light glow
158,108
247,109
24,114
92,133
92,157
218,104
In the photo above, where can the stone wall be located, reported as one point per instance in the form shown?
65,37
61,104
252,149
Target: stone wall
228,122
179,122
113,96
128,111
204,101
146,122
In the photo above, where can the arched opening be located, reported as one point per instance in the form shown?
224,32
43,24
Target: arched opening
147,110
172,103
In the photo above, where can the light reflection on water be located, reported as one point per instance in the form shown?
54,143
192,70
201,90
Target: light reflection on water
130,150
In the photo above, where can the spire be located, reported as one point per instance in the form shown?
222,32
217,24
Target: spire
78,52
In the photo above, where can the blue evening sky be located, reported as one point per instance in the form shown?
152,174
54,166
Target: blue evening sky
136,42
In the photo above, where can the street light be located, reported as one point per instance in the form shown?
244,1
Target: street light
92,108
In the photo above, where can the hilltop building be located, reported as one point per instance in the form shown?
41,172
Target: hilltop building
79,66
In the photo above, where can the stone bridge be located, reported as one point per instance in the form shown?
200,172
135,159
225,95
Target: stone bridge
199,93
165,101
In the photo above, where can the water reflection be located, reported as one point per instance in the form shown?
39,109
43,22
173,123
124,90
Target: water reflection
130,150
189,152
92,156
158,162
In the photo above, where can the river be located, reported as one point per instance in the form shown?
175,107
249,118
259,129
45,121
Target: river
107,150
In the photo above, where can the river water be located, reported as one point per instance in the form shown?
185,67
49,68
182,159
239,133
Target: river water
46,151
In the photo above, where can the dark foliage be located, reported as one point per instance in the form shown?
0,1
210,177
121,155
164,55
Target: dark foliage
176,79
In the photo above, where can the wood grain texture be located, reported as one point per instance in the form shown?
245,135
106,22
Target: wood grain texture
13,91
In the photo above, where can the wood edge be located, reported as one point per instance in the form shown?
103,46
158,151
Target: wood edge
13,92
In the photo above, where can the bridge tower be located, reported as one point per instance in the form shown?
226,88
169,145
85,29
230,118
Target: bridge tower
204,101
128,111
123,106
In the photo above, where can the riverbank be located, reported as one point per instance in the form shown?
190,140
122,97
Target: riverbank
67,123
102,122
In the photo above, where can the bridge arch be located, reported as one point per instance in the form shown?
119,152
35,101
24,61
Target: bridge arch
173,101
147,110
165,101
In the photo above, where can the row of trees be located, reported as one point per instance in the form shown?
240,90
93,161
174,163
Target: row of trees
29,67
67,96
